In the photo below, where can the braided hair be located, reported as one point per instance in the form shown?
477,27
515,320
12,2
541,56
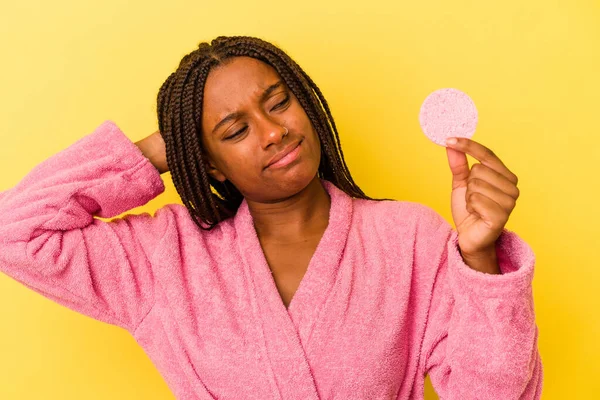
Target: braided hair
179,109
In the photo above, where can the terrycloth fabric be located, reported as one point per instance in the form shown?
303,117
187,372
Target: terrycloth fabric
386,298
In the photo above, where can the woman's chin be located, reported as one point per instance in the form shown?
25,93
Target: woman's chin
287,185
301,178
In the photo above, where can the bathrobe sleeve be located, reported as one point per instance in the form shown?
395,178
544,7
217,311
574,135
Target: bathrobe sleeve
481,337
51,242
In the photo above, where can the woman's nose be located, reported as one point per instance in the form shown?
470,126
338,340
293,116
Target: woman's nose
273,132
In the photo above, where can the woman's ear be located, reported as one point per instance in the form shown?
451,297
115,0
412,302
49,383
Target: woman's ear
214,171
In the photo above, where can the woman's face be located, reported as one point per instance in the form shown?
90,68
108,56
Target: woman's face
240,148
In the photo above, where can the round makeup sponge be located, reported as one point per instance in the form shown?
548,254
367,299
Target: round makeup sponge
448,113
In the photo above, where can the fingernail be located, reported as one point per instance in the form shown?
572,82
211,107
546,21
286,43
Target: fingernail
451,141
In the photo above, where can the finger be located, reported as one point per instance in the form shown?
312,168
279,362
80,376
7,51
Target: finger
459,167
485,173
492,213
485,156
477,185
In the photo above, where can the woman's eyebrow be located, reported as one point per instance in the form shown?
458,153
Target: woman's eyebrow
237,114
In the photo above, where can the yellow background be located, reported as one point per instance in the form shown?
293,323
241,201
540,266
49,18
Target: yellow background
531,67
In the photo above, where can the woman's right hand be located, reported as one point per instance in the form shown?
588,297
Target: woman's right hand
153,148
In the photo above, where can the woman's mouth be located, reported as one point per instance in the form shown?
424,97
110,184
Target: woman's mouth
287,159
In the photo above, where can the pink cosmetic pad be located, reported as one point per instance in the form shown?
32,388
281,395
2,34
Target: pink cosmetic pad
448,113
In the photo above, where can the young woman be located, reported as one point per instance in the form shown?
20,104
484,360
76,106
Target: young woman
278,278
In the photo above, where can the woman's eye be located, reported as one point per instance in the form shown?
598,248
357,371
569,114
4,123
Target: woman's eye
287,98
237,133
284,102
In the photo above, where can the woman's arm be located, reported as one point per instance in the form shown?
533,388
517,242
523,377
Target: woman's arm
51,242
481,337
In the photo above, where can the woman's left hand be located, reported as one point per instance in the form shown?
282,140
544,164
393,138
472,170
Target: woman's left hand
482,198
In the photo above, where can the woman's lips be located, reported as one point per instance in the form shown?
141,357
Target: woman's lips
288,158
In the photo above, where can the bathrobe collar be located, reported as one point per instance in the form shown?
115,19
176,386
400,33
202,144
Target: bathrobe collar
287,331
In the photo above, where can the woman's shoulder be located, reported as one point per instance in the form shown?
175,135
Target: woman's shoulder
174,220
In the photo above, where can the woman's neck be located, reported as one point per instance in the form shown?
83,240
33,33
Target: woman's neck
301,216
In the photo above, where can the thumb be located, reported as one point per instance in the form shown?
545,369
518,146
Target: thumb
457,160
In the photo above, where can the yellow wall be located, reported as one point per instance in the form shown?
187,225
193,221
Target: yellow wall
531,68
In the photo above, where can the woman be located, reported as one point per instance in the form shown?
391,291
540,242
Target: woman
278,278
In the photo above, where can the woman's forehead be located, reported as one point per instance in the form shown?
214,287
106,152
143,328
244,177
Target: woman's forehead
231,86
242,75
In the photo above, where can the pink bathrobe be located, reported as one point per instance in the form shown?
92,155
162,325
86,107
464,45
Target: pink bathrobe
386,299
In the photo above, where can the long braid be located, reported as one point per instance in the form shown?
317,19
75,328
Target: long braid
185,162
179,111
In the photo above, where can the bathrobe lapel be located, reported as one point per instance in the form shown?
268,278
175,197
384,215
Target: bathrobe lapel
286,332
